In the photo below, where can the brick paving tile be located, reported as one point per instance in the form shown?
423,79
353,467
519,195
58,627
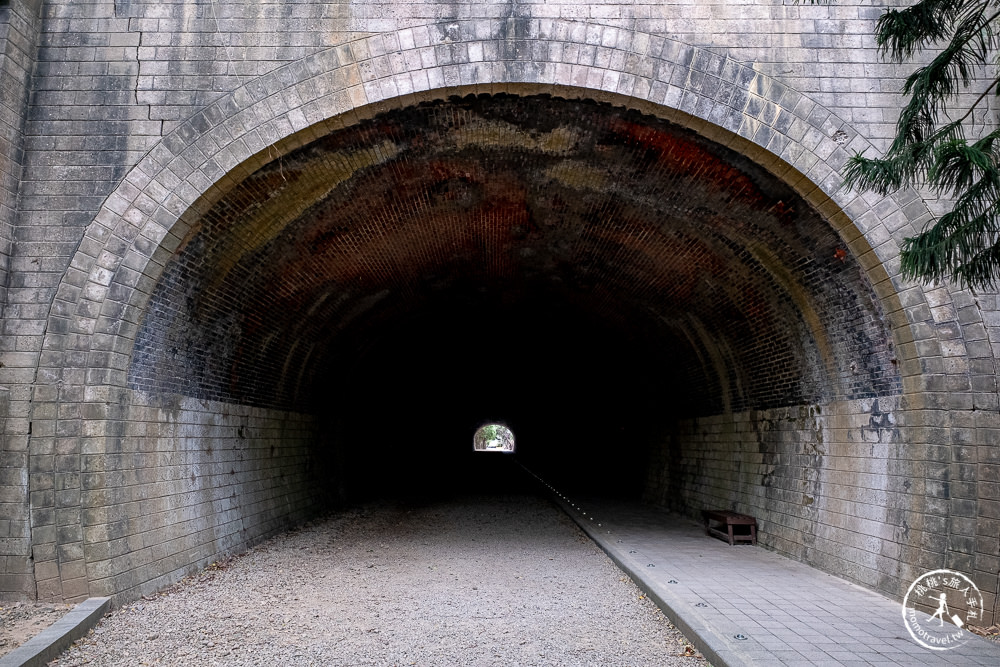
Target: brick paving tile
745,605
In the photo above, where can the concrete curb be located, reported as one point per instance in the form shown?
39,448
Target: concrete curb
701,635
705,638
53,640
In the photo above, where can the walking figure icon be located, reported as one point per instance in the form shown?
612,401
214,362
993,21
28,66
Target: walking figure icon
942,610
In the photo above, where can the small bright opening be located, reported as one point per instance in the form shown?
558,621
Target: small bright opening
493,438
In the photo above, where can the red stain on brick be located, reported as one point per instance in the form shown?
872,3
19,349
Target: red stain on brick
635,221
680,154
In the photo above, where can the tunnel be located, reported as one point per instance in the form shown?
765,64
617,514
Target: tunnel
652,313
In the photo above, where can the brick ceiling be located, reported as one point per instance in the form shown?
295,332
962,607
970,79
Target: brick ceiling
552,234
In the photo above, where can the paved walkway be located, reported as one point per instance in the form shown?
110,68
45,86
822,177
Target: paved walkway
744,605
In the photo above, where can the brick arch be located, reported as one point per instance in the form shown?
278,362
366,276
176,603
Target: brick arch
102,296
147,215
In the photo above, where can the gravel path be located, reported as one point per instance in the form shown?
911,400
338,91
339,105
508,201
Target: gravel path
476,581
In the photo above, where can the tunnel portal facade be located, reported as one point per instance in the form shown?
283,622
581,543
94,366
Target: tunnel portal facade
307,267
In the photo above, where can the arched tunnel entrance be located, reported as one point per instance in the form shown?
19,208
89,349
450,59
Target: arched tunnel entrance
651,312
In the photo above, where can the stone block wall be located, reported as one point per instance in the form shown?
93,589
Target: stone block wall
185,483
144,113
19,28
844,486
825,482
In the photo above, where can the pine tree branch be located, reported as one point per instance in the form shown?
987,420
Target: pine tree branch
930,87
902,33
936,82
930,149
964,233
959,167
982,96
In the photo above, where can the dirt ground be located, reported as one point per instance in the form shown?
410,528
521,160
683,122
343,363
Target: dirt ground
20,621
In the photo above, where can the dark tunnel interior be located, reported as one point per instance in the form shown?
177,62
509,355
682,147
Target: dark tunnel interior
572,392
586,274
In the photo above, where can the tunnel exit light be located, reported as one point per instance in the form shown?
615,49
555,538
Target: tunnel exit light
493,438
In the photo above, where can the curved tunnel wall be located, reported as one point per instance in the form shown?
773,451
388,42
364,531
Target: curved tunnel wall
445,261
658,315
508,205
94,401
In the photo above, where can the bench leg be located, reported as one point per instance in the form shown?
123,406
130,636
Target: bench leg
730,527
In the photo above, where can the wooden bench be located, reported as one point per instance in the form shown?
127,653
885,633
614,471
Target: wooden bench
729,520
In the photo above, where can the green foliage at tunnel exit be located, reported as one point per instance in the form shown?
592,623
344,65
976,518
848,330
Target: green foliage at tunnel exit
493,437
